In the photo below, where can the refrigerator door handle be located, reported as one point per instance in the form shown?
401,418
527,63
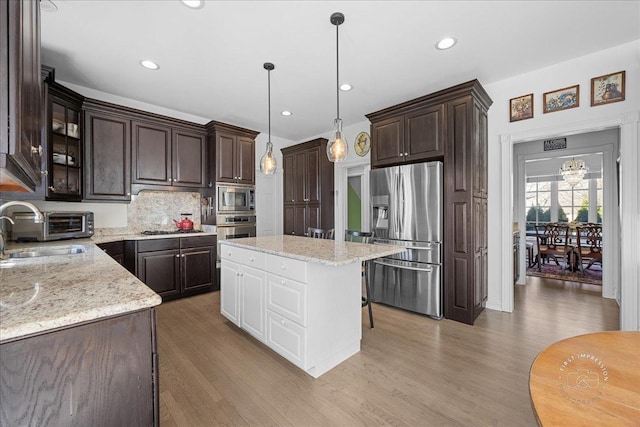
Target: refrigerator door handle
403,266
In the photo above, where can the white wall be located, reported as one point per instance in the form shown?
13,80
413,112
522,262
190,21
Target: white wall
503,134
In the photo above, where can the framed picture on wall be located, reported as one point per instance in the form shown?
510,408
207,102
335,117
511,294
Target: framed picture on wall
607,89
561,99
362,143
521,108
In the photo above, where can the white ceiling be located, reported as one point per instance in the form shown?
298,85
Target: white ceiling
212,58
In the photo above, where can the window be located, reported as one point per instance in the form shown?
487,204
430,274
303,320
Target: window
550,199
538,203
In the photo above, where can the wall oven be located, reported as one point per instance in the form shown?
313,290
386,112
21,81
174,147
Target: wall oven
235,226
235,198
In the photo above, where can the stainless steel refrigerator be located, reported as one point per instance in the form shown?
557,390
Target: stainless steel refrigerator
406,210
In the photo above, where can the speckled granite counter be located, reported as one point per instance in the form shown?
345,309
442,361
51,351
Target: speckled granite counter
45,293
322,251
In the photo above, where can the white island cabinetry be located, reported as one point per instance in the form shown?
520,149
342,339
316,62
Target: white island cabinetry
306,308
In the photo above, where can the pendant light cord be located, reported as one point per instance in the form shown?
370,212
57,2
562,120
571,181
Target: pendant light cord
337,74
269,96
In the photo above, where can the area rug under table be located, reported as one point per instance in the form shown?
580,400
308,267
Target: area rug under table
593,275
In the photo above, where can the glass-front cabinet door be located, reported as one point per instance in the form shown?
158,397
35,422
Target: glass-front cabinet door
66,151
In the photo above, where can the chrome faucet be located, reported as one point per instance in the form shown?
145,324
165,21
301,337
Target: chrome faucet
37,219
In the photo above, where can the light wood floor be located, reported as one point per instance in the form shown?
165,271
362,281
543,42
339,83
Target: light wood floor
411,371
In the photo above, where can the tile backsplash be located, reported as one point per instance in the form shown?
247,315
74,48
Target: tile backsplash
156,210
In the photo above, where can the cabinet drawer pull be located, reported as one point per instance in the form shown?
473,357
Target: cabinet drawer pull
229,253
283,322
252,259
36,150
283,267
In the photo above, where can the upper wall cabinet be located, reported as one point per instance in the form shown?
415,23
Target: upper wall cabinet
108,158
231,154
167,155
20,92
407,135
65,146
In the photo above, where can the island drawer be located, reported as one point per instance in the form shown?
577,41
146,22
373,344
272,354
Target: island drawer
287,338
153,245
288,298
287,267
243,256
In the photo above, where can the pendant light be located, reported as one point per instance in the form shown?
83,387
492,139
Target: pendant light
573,171
337,148
268,161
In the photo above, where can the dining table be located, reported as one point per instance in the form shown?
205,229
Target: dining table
591,379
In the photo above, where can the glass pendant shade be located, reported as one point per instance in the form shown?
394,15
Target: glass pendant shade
268,161
337,148
573,171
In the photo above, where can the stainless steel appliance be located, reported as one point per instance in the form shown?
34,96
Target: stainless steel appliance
234,198
235,226
54,226
407,211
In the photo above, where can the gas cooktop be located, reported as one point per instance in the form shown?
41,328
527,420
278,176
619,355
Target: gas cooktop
160,232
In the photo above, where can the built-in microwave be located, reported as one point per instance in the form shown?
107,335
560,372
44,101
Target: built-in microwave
235,198
54,226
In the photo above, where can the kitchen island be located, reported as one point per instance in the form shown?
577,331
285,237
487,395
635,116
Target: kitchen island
299,296
77,340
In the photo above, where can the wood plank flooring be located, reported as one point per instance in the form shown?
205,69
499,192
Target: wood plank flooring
411,370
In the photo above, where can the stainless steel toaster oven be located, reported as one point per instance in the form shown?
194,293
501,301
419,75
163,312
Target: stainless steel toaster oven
55,226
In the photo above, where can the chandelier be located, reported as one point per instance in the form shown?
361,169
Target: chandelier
573,171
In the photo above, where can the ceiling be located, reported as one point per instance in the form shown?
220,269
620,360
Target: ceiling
211,59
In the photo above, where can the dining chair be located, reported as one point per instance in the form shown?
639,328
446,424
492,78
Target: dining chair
589,237
320,233
552,240
363,237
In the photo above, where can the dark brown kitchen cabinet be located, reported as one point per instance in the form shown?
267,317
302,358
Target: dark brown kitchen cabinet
108,155
65,145
231,154
114,249
449,125
175,267
408,136
151,153
165,155
307,187
99,373
20,91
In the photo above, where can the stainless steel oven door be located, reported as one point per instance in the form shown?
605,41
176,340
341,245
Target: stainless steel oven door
409,285
227,233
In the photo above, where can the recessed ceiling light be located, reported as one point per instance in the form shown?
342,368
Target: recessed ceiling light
149,64
345,87
446,43
193,4
286,113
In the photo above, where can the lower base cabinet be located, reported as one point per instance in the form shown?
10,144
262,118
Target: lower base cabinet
114,249
309,313
174,267
102,373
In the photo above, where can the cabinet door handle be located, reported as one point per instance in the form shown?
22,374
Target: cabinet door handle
406,154
252,259
178,256
229,253
283,282
183,255
283,267
128,194
36,150
283,322
44,172
52,188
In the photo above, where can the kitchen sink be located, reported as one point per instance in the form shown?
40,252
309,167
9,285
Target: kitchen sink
42,252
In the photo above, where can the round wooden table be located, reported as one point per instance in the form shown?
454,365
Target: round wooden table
591,379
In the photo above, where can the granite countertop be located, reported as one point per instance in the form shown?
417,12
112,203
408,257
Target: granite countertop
120,237
45,293
322,251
